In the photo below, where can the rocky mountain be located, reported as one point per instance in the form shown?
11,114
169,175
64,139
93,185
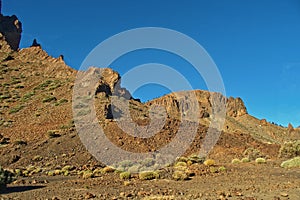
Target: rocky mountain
36,116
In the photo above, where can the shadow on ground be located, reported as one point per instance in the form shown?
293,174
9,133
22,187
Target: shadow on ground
19,189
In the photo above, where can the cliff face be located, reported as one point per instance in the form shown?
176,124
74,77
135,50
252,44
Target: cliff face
11,29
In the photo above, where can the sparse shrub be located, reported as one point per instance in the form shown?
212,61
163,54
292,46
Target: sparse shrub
49,99
5,96
213,170
294,162
27,96
148,175
15,82
87,174
260,160
18,172
25,173
235,161
16,109
209,162
125,175
66,173
51,173
43,85
222,169
196,159
57,172
179,175
97,172
290,149
61,101
68,168
252,153
30,168
35,171
6,177
245,160
37,158
180,164
53,134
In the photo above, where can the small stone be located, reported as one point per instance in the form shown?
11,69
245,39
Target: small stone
283,194
122,194
89,195
239,194
126,183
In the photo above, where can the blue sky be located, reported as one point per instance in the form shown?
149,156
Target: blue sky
254,43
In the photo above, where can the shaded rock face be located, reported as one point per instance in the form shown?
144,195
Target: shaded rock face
11,29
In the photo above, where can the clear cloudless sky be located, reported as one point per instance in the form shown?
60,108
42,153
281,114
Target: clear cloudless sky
254,43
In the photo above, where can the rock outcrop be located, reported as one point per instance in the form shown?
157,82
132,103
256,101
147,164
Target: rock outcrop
236,107
11,29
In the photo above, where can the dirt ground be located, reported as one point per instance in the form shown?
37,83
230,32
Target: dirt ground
240,181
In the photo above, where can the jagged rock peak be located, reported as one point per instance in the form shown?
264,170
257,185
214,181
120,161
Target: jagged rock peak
11,29
236,107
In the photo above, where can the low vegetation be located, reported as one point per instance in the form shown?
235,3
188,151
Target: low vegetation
235,161
209,162
290,149
260,160
294,162
16,109
148,175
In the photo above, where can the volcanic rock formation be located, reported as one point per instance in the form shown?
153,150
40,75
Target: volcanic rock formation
11,29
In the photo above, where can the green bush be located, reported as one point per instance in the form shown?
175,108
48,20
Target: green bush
125,175
260,160
179,175
245,160
209,162
290,149
196,159
294,162
235,161
222,169
6,177
148,175
180,164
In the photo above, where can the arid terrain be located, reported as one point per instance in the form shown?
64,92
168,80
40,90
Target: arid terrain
39,141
